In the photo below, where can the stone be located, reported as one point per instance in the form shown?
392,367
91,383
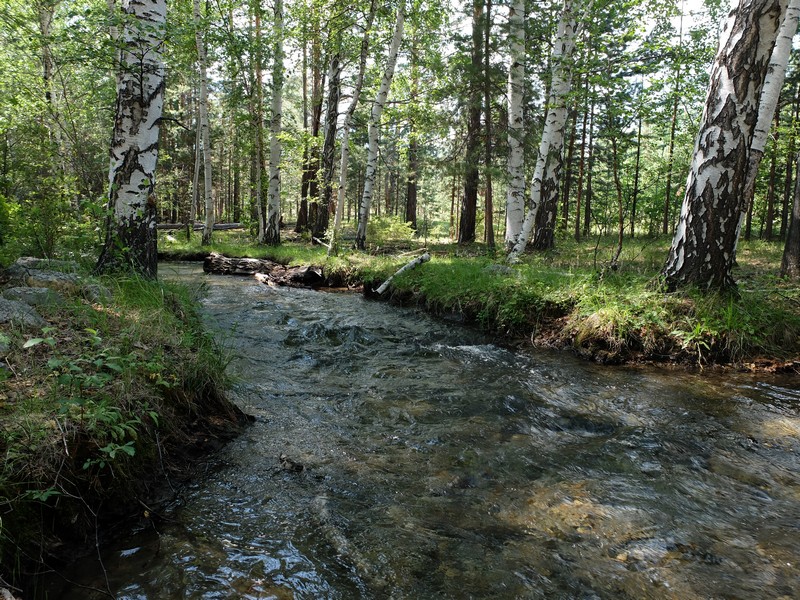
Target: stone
44,264
55,280
19,312
34,296
97,294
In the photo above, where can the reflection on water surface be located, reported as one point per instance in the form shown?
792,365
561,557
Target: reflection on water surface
437,465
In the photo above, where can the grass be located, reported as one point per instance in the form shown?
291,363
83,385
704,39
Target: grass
94,409
569,297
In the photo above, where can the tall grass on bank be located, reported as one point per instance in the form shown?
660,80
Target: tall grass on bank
570,296
90,407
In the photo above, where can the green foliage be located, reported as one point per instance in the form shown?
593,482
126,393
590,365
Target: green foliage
384,230
83,401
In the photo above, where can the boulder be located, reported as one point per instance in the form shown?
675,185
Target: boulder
33,296
19,312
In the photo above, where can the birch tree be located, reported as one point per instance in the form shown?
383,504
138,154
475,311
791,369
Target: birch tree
130,239
702,251
333,249
272,234
769,101
545,183
515,193
205,134
374,128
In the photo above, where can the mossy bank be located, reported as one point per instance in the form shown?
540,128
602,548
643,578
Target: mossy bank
571,299
109,390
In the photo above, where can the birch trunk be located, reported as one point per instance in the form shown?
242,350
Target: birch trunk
374,128
258,118
272,235
544,188
205,135
333,249
770,94
702,251
515,193
195,180
131,226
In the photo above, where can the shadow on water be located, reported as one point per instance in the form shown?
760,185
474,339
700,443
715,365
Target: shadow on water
437,465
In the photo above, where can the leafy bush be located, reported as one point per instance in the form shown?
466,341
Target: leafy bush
382,230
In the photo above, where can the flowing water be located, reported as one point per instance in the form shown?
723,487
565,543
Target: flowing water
439,465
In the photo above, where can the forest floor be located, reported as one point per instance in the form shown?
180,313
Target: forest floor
568,297
110,392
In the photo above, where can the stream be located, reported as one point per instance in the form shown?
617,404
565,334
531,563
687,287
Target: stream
436,464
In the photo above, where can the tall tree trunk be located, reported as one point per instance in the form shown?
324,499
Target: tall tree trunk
790,263
789,169
545,184
703,248
333,249
515,192
620,208
198,158
587,204
374,128
573,118
767,104
673,126
635,195
469,201
310,177
329,148
258,116
773,169
205,134
272,234
582,163
413,145
302,211
131,226
488,219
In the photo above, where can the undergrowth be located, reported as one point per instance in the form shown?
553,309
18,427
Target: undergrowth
90,406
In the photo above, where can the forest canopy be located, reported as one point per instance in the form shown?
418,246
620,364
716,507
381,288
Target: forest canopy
509,124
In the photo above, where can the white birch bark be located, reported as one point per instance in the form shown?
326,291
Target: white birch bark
205,134
407,267
702,251
333,249
131,225
770,95
198,157
273,228
548,160
515,194
374,128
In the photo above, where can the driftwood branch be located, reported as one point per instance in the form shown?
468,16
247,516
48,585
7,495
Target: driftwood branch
407,267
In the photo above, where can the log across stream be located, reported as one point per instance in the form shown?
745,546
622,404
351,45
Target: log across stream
398,456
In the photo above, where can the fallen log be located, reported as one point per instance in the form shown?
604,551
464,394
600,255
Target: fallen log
265,271
293,276
223,265
198,226
407,267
